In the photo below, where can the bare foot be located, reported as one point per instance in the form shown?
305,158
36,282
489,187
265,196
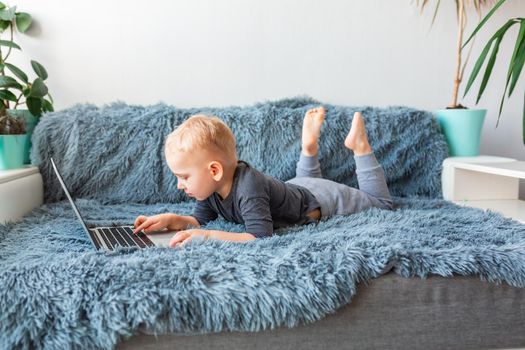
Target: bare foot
357,140
313,120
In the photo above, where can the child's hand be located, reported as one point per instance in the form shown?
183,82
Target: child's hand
152,223
183,237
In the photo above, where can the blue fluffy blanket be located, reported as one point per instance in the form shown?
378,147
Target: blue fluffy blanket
115,153
56,292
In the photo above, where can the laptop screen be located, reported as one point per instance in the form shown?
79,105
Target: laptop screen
75,209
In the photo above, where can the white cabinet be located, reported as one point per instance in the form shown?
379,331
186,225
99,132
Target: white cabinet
21,190
485,182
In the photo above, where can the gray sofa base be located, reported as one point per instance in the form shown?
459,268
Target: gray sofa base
391,312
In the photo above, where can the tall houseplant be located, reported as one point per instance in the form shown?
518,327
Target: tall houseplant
16,90
516,63
461,126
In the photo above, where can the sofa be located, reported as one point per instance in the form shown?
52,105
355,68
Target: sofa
428,274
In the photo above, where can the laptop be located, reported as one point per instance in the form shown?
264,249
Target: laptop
112,237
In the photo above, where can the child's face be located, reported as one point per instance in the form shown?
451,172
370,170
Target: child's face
193,174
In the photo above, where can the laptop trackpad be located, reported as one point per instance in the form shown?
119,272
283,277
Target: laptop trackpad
161,239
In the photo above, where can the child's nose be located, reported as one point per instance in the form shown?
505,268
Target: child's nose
179,185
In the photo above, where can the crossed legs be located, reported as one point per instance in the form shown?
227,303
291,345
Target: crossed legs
356,141
373,190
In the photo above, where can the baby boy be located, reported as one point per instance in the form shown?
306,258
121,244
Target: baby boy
201,153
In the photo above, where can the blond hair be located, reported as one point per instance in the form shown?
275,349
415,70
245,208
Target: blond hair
202,132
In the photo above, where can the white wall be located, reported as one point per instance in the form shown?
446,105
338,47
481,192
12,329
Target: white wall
237,52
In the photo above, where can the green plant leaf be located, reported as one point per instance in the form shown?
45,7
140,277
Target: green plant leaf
504,92
23,21
2,6
8,14
518,58
4,25
477,66
47,106
39,69
38,88
518,67
483,21
7,95
509,75
9,44
7,82
488,69
34,104
17,71
516,47
26,91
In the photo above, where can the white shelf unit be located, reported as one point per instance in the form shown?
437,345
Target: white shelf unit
485,182
21,190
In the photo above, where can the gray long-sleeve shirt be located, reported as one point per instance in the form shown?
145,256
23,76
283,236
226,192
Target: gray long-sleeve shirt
260,202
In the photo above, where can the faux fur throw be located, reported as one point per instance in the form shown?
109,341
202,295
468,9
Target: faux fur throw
56,292
116,153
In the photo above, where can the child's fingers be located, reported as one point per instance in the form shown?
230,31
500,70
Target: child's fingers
178,238
142,226
154,227
185,241
139,220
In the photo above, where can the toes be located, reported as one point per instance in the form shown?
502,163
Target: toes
318,110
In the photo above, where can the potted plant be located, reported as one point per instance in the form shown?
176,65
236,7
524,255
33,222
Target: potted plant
16,90
461,126
515,65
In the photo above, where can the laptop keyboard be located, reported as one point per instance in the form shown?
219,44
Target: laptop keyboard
121,237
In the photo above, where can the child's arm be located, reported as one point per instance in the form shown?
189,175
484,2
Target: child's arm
257,218
230,236
183,237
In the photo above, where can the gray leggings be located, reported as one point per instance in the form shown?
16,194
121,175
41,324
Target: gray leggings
339,199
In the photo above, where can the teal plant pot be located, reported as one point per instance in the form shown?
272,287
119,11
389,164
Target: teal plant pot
462,130
12,148
30,121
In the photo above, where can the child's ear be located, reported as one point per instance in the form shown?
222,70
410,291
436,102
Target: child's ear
216,170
